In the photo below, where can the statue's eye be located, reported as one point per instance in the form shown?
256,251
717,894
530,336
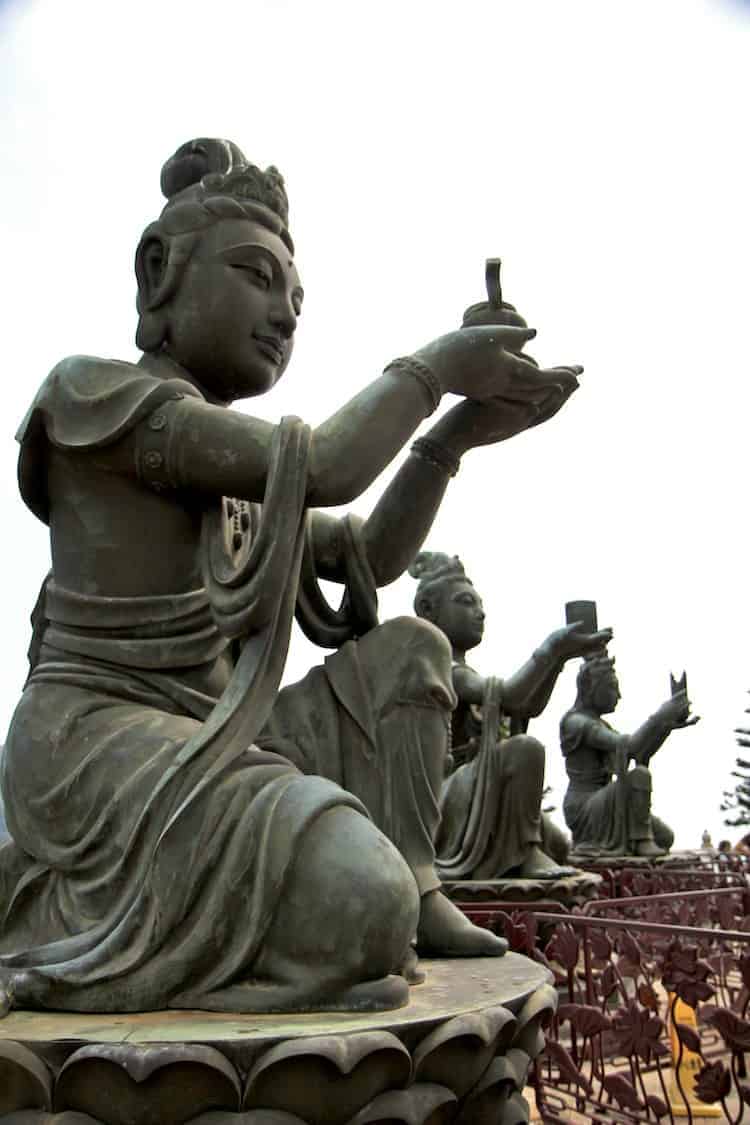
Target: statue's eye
262,276
259,275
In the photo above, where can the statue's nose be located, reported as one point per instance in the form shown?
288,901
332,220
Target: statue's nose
283,317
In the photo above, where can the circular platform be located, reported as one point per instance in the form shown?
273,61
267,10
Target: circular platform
451,988
569,891
461,1047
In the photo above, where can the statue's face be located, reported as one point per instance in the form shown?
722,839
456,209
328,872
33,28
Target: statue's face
460,615
606,693
231,322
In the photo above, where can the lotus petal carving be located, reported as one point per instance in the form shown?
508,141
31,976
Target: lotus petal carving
535,1014
328,1079
161,1085
252,1117
41,1117
514,1112
424,1103
25,1081
458,1052
485,1104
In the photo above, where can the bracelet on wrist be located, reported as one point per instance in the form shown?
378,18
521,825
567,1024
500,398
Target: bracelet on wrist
436,454
409,365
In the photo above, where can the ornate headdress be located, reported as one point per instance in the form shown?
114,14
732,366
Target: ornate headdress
209,167
593,668
434,570
205,180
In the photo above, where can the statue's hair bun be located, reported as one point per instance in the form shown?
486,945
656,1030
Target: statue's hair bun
431,564
196,159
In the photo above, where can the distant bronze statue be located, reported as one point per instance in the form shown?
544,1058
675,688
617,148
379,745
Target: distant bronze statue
182,834
491,820
607,806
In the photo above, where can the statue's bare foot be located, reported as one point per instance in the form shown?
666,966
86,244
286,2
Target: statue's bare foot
410,969
538,865
648,849
7,994
444,931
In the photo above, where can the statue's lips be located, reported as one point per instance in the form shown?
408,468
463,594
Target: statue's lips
271,348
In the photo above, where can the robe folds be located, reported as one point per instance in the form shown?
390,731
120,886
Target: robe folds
490,806
607,805
150,836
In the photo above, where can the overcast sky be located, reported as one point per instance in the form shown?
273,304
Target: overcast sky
600,148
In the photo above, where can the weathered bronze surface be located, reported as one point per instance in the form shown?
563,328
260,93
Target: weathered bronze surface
461,1052
491,820
607,806
182,834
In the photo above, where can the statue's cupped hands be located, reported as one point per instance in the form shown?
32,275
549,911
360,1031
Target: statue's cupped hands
506,392
486,363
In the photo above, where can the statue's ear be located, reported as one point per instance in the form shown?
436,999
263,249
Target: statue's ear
150,268
150,271
424,606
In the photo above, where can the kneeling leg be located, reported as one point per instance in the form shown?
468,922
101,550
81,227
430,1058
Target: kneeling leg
345,919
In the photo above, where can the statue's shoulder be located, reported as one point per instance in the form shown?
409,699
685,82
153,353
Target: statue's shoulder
572,719
87,402
573,728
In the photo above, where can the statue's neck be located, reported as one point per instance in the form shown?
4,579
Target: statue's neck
164,367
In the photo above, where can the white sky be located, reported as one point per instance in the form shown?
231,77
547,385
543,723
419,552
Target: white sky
600,148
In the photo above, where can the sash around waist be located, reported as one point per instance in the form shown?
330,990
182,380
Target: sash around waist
153,632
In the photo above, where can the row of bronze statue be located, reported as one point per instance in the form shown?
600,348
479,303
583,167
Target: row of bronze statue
183,833
491,823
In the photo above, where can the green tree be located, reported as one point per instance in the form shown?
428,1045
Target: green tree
737,801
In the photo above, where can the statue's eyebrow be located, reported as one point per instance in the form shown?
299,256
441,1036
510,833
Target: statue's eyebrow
245,252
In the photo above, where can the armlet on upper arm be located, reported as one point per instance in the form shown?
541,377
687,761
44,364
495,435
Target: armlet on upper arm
155,446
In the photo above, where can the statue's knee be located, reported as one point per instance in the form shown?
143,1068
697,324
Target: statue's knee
351,896
663,834
411,661
523,752
640,778
418,634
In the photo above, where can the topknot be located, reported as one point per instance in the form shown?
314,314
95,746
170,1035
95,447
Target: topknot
429,565
210,166
434,571
196,159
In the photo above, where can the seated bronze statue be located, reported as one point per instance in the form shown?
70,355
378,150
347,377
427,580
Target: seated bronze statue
182,835
607,805
491,820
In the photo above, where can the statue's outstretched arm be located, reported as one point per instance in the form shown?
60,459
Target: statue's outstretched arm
395,529
402,518
527,692
652,735
532,684
213,451
216,451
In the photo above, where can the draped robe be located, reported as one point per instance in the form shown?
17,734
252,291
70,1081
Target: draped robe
151,838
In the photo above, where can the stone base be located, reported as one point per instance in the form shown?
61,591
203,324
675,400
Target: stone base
671,859
460,1051
574,890
690,858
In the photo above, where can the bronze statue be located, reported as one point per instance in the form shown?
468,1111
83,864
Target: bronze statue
491,820
607,806
183,835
